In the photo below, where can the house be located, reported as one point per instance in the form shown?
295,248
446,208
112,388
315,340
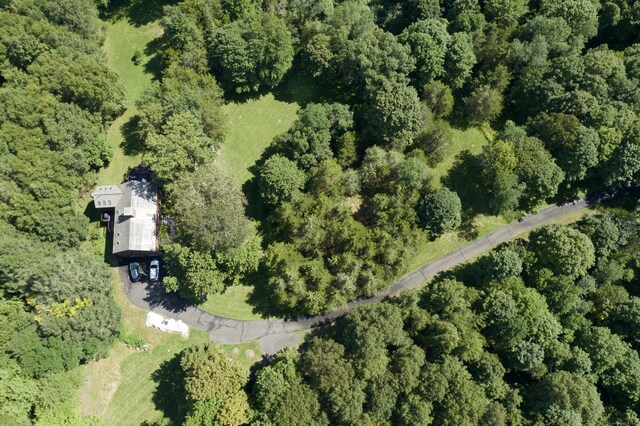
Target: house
136,213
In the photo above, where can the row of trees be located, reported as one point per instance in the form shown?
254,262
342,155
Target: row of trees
56,98
543,331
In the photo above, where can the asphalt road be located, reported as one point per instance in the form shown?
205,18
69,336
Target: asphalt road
276,333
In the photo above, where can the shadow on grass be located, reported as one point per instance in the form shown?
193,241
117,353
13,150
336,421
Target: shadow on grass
464,179
301,88
169,397
138,12
157,63
132,142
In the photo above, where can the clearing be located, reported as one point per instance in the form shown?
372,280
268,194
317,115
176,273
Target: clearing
122,41
252,126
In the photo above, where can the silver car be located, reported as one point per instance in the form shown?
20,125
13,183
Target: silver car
154,270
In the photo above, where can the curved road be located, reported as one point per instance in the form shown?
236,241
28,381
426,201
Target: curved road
274,334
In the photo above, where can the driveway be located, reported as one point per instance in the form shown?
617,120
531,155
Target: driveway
276,333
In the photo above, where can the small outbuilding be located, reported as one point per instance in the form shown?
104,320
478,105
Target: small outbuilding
136,214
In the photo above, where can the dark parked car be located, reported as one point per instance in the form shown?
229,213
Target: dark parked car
134,271
154,270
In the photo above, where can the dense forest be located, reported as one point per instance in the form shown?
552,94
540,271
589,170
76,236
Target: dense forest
542,331
56,311
345,195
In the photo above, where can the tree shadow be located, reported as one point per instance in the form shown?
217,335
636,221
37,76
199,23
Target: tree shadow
300,87
464,179
138,12
169,397
132,141
157,62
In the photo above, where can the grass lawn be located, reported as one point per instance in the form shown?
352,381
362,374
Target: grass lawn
428,251
233,303
252,126
122,40
120,388
471,140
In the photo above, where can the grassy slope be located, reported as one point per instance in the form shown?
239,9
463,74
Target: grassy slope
472,141
252,126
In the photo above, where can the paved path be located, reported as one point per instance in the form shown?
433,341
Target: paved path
277,333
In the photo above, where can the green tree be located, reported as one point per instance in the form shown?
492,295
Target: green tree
317,134
208,373
561,396
438,98
209,209
280,180
505,13
456,398
581,15
440,211
350,50
459,60
573,145
534,165
181,147
392,114
252,54
563,249
194,274
484,104
327,370
429,41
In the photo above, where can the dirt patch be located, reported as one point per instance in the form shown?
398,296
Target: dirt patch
102,379
250,354
235,351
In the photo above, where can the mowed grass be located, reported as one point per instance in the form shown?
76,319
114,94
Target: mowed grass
122,41
471,140
233,303
120,388
252,126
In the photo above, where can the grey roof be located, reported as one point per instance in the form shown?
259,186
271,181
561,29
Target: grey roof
135,216
106,197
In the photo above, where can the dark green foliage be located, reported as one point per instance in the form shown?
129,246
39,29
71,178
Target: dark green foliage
562,249
514,347
213,385
350,49
252,54
440,211
429,42
563,397
321,131
392,114
209,210
57,97
280,180
438,98
484,104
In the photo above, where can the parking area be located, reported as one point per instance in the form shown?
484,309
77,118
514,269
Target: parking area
148,269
